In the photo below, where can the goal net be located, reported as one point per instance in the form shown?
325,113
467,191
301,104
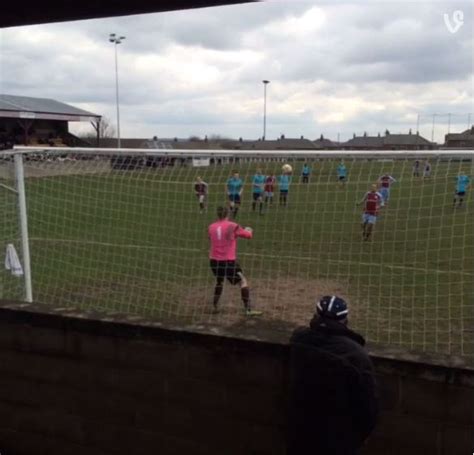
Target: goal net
124,232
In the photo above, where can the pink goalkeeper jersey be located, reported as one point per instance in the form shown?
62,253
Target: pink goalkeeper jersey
223,235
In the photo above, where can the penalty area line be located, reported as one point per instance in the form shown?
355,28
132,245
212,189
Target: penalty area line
279,257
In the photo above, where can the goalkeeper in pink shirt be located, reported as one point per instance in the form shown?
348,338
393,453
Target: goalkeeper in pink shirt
223,235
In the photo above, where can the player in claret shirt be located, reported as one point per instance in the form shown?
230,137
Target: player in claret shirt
223,235
201,189
270,182
372,201
385,182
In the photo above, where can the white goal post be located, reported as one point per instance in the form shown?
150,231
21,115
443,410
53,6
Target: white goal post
123,231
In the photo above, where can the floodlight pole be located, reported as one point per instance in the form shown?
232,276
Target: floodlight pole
113,38
265,83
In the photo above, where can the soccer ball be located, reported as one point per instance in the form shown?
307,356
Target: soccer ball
287,169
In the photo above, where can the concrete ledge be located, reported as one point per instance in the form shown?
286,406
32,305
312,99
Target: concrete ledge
270,335
88,382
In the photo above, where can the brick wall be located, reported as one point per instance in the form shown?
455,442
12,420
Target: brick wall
74,383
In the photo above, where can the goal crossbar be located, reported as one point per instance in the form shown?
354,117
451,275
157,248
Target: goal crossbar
403,154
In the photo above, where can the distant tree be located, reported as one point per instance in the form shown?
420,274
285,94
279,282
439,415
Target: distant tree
387,132
218,137
106,130
194,138
321,138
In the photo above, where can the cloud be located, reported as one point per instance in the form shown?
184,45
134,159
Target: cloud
334,67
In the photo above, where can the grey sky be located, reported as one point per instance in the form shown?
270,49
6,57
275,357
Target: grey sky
335,67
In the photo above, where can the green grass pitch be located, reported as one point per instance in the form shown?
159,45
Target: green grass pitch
134,242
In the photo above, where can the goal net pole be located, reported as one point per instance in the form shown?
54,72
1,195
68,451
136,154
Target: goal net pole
23,218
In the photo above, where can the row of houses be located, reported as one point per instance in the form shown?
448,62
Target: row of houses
39,121
388,141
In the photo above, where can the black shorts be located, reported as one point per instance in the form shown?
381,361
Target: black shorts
257,196
234,198
460,193
226,269
284,192
342,178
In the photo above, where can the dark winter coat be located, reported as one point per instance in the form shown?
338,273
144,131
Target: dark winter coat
333,404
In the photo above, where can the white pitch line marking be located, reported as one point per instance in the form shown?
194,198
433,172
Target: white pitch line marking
303,258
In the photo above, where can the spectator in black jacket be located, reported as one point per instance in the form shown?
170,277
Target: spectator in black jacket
333,404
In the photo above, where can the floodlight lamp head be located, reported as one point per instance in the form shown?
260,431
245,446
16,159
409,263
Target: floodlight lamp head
265,81
122,37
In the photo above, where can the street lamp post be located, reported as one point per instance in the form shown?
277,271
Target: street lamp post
265,83
113,38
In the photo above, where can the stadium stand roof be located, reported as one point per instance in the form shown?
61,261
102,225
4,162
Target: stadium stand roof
12,106
15,13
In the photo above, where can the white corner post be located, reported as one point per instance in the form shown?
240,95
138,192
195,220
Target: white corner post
25,244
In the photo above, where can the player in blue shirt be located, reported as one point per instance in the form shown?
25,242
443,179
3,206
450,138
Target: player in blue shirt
305,173
234,187
462,183
258,184
342,173
284,181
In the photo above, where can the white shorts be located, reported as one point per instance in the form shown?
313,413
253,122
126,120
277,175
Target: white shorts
369,219
268,194
426,173
202,198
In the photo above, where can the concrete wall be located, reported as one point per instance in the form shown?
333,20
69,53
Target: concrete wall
73,383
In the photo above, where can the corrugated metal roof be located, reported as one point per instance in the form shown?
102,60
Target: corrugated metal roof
40,105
